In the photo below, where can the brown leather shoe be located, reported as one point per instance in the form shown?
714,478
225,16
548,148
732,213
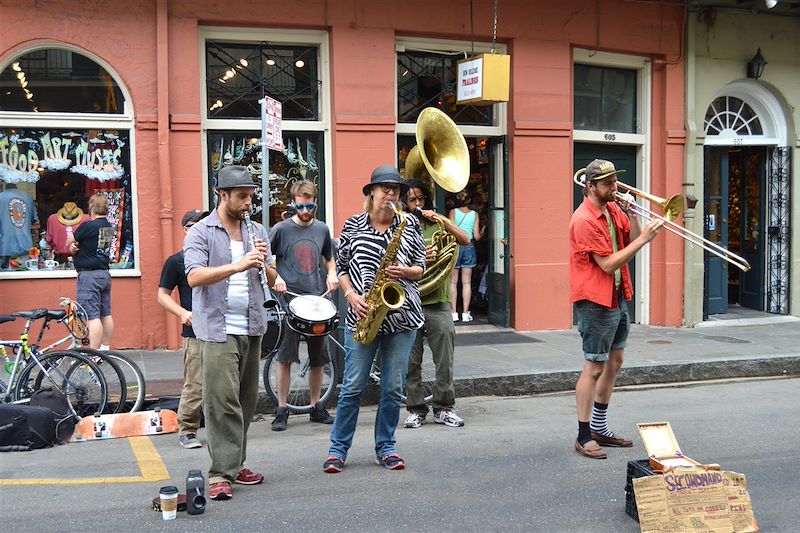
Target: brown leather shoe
591,450
617,442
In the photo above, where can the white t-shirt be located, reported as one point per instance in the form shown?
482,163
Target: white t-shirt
238,296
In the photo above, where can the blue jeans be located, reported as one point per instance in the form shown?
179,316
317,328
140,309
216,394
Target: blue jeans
358,358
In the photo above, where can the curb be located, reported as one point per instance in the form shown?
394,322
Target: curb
548,382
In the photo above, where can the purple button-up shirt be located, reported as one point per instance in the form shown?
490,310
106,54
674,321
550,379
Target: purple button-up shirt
208,245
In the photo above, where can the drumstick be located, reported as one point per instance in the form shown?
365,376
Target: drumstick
324,294
293,293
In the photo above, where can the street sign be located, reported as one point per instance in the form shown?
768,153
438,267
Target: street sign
271,123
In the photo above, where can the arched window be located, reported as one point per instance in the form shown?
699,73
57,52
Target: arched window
66,130
728,116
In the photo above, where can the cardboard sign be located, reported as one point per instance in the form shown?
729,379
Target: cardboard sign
694,499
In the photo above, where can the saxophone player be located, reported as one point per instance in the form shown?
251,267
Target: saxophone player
380,248
438,328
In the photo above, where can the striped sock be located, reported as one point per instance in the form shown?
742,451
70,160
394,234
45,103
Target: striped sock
599,422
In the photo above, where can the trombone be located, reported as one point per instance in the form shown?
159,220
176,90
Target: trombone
672,209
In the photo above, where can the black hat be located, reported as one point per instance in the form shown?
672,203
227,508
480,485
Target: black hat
234,176
599,169
385,174
193,216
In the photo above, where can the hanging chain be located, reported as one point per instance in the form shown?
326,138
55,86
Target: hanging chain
494,27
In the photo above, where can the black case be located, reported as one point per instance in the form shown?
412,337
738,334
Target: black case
636,469
26,427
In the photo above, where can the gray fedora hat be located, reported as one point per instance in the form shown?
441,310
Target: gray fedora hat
385,174
234,176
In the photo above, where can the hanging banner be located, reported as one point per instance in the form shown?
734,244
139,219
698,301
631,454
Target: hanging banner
272,124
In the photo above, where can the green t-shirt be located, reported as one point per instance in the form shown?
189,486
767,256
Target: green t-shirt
442,292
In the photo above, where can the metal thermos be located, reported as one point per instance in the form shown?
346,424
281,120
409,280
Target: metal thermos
195,492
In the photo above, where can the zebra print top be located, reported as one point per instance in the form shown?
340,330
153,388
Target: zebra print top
361,248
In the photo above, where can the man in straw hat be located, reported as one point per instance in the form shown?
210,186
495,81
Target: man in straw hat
602,240
222,263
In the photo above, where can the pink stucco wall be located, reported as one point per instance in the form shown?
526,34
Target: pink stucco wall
540,37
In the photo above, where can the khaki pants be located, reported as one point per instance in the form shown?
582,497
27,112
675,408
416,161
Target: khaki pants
230,393
192,393
441,335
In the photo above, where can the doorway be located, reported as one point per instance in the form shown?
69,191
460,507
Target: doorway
624,158
486,194
735,181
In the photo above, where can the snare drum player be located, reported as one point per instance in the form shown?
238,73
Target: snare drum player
602,241
222,262
302,247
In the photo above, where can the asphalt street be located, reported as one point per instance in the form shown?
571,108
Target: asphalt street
511,468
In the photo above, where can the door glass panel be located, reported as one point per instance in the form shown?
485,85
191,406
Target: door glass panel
498,222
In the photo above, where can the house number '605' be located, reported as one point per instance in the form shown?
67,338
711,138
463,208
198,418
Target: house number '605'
610,137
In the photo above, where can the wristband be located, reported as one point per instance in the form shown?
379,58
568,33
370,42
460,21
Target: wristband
347,293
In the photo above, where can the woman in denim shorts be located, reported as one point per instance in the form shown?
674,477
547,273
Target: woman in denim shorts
467,220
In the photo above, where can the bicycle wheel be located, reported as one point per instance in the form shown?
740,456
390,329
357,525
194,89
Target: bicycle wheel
135,387
72,373
299,400
115,379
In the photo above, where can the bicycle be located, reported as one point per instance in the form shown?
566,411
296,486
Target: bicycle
71,373
126,385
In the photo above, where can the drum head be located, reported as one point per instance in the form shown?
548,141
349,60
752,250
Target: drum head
312,308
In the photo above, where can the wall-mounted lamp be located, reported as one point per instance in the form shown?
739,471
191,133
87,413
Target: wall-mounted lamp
691,201
771,3
755,67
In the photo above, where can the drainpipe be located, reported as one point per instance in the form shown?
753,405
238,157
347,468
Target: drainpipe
164,174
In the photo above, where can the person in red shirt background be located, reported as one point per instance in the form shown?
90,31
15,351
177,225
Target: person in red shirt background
602,240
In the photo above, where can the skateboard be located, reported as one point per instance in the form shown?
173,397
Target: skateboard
116,426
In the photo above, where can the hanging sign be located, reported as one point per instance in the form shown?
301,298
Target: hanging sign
483,79
271,124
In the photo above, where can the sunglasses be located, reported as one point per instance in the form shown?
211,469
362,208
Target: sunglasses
307,207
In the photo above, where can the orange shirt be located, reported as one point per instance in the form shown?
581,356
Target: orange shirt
589,234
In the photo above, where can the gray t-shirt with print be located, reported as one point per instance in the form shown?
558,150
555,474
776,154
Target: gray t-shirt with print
300,252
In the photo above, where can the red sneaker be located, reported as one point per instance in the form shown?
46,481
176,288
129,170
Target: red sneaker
248,477
220,491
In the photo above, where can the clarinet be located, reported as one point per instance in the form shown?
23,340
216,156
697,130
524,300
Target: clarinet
269,300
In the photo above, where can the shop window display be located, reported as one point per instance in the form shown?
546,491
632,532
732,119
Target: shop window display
301,158
46,179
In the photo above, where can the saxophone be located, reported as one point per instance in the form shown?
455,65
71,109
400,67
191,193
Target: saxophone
384,294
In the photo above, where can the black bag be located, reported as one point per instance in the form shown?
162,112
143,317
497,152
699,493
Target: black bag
63,418
25,427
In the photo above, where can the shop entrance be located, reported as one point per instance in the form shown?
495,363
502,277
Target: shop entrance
735,181
486,194
623,157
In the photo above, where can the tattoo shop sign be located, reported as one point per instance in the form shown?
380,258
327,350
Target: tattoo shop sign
23,154
694,500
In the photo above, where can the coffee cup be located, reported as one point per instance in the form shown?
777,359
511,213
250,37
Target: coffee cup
169,502
32,264
50,264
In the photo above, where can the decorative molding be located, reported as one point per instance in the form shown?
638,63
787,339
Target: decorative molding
676,137
532,128
147,122
184,122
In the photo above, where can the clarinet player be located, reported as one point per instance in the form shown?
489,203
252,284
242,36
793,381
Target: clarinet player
225,265
367,238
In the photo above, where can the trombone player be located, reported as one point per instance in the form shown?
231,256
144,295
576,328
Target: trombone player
603,239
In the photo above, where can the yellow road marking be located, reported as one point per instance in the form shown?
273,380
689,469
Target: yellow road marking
151,467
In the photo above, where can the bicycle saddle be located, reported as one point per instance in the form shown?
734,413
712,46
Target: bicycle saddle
56,314
31,315
6,318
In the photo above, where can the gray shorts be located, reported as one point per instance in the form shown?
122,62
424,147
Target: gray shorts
602,329
94,292
288,352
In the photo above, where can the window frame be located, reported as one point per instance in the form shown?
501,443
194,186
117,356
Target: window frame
80,121
641,139
275,36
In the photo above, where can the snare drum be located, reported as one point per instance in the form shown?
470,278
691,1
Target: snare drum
310,315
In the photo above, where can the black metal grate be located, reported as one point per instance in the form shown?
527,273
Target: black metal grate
427,79
779,233
238,75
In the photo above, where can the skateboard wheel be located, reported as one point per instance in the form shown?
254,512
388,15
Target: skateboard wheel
157,409
97,415
98,434
159,429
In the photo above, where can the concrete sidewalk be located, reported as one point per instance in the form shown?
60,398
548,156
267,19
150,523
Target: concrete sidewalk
502,362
